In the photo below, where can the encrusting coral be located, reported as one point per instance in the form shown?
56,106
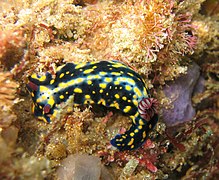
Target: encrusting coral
154,37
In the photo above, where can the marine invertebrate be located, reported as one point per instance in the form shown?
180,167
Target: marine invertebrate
109,83
180,93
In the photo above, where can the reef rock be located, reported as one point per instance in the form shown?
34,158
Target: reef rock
180,92
77,166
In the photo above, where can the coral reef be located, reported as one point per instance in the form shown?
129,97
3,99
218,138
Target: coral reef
159,39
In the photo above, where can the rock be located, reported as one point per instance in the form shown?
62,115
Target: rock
180,92
82,167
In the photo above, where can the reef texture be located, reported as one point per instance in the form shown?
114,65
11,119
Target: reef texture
159,39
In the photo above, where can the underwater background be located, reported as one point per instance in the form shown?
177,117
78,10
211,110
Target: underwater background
172,44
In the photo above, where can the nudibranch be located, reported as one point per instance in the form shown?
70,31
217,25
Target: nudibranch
108,83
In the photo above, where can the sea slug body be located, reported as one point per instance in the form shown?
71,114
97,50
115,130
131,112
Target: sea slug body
108,83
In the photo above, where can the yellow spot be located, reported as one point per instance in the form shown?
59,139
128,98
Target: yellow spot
42,118
42,78
34,76
128,88
61,75
94,67
93,92
124,98
150,126
127,109
40,107
52,81
97,77
140,127
116,82
132,134
32,94
87,71
66,92
116,73
78,90
110,87
129,100
107,94
51,102
144,134
102,85
136,114
115,104
89,82
87,96
101,91
120,87
43,88
116,65
102,101
102,73
131,142
135,96
124,137
117,96
118,144
59,68
44,97
78,80
107,79
135,102
145,92
69,109
130,74
32,108
137,91
61,97
63,85
141,122
133,119
80,65
132,146
136,130
54,115
67,72
130,81
72,74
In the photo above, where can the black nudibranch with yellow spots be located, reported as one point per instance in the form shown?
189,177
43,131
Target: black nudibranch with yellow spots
109,83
